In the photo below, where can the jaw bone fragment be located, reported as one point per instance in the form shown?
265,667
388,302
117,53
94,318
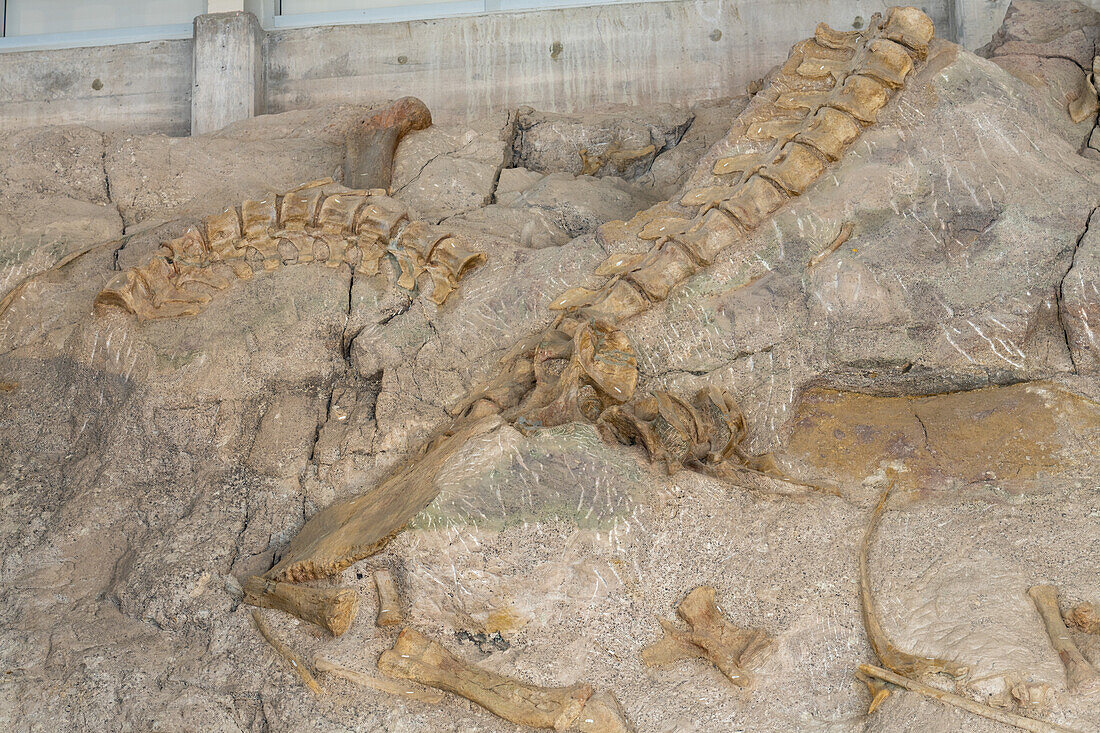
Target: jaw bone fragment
1080,675
710,636
332,609
389,603
415,657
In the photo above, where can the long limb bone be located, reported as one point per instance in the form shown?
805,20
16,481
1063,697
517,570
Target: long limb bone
332,609
730,648
415,657
1080,675
368,161
959,701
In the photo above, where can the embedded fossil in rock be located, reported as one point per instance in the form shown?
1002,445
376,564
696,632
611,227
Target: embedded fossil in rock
1085,103
579,707
903,663
614,154
286,653
1084,616
320,222
389,603
370,147
1080,675
830,88
333,610
710,636
878,676
382,684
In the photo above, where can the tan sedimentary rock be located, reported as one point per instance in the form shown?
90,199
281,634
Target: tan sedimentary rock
389,603
710,636
1080,675
332,609
583,366
417,658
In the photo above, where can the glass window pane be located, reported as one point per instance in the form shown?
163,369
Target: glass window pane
32,17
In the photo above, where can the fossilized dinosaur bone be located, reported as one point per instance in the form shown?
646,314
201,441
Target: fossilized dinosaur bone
1084,616
322,222
331,609
710,636
370,146
415,657
903,663
389,604
851,76
317,222
1080,675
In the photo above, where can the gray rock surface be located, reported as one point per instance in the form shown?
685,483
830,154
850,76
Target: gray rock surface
147,469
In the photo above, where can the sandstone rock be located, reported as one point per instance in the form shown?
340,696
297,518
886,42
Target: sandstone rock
443,171
1050,45
620,142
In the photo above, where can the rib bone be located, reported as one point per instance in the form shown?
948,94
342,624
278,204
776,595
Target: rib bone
730,648
1080,675
415,657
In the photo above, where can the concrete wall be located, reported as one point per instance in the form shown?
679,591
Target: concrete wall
462,67
560,60
143,87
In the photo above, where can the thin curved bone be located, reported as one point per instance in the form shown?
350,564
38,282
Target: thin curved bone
1080,674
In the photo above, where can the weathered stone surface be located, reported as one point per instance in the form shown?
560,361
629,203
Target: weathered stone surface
1050,45
443,171
625,140
1079,301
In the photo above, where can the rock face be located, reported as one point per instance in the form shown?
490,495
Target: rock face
927,306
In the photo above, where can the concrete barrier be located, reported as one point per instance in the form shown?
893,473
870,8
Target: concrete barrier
463,67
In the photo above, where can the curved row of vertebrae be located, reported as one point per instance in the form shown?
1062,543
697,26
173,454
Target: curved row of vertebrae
319,222
816,106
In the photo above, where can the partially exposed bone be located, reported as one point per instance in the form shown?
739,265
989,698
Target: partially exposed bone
1086,617
347,531
368,161
879,690
710,636
890,656
286,653
1085,103
331,608
964,703
382,684
838,240
1080,675
415,657
389,603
